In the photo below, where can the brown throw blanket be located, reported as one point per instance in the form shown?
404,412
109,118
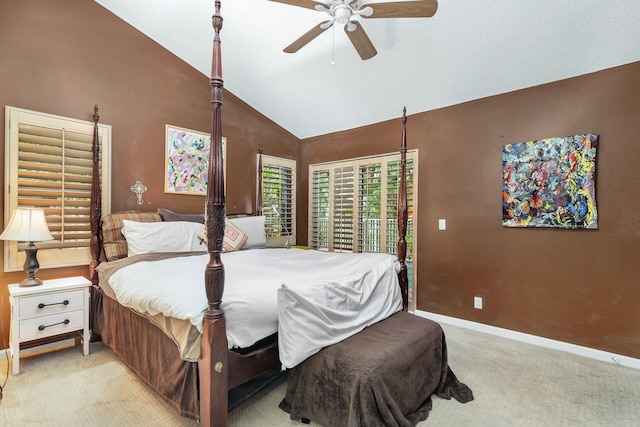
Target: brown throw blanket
382,376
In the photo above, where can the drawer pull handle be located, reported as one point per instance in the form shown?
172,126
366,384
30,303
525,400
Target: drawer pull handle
43,327
65,302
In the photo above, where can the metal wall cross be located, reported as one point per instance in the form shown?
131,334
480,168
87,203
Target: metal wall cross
139,188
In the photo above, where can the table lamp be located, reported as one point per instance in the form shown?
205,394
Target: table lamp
28,225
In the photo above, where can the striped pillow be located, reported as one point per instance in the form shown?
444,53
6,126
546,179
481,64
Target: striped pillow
113,241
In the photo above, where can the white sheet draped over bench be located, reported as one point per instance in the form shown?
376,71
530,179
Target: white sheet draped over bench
312,298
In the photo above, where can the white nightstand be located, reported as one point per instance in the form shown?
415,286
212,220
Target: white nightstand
56,310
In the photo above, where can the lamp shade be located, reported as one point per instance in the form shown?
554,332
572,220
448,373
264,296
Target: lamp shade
27,225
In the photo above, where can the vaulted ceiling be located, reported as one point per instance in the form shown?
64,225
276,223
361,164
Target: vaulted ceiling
468,50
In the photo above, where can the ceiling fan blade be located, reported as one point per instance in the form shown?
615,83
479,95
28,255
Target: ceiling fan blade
307,37
360,40
402,9
309,4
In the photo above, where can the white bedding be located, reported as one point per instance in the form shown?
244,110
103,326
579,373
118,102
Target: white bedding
324,297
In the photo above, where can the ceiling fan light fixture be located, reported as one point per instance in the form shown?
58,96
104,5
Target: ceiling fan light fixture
342,14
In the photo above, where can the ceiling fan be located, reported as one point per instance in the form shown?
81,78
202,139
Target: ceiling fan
342,12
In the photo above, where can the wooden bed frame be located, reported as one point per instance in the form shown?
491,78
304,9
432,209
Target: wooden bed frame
219,368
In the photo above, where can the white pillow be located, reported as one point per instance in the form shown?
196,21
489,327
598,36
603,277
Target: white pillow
172,236
253,227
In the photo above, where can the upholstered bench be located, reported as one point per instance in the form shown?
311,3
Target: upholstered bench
382,376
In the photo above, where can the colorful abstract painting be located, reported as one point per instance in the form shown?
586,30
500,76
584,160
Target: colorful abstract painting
187,160
550,183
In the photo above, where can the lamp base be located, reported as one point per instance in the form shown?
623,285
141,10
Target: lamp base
30,281
31,266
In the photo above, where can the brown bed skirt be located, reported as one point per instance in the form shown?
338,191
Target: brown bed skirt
147,351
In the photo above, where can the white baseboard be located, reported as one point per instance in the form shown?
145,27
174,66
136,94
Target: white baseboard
533,339
4,353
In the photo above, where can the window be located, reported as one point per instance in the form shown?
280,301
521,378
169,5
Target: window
49,165
353,204
279,200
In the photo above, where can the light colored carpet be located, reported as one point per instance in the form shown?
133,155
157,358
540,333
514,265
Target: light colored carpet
513,384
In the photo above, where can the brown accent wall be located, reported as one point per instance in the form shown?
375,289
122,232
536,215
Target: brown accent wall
62,57
577,286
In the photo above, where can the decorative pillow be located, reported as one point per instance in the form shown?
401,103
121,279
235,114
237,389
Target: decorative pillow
113,242
253,227
154,237
233,240
168,215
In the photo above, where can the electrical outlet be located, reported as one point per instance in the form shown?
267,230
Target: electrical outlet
477,303
442,224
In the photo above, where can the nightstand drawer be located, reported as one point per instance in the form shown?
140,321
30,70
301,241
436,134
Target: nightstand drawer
51,303
54,324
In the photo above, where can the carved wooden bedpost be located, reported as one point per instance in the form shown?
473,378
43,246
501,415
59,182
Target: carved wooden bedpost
95,244
259,190
403,215
213,366
95,213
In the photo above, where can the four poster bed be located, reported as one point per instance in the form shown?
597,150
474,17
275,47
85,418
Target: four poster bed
193,358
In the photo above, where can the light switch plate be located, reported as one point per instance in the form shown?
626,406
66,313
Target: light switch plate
442,224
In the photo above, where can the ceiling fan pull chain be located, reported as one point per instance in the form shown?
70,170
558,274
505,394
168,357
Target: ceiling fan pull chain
333,48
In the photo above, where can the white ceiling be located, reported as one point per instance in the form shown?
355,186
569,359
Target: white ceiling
468,50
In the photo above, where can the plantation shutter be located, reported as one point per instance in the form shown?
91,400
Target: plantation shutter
319,209
278,197
54,173
355,202
50,167
370,203
343,197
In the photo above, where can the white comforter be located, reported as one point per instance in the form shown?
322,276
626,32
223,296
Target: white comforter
313,299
